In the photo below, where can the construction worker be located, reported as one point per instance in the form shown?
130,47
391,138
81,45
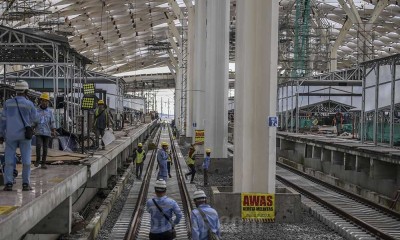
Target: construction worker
339,122
190,162
139,155
16,121
45,128
205,165
204,218
101,121
169,163
161,208
162,159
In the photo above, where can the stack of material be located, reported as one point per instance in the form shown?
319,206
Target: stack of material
57,156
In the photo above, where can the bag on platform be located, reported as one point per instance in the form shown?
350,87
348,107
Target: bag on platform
28,129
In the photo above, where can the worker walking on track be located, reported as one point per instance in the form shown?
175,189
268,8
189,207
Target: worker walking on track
16,127
205,166
101,121
190,162
162,158
161,209
204,218
139,155
169,163
45,128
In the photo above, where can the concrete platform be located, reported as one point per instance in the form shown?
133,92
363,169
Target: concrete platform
47,209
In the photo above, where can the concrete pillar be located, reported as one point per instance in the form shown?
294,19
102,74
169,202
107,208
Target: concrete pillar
199,65
254,162
217,65
190,73
178,94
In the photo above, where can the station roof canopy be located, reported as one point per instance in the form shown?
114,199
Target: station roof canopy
128,35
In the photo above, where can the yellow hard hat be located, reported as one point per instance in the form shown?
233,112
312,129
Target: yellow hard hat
45,96
164,144
208,150
140,145
100,102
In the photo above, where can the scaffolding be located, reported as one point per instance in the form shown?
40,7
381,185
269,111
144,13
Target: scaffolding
304,41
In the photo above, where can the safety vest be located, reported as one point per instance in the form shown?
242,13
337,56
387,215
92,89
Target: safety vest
169,157
189,161
139,157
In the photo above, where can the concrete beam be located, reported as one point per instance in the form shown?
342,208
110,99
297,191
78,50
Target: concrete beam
173,62
58,221
172,69
354,10
342,35
349,11
175,47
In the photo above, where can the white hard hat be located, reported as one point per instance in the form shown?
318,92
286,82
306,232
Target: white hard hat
160,185
199,194
21,85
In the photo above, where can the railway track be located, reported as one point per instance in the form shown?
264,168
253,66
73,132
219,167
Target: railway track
358,217
349,214
134,222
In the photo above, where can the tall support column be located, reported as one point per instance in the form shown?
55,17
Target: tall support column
255,95
217,65
190,72
199,64
177,111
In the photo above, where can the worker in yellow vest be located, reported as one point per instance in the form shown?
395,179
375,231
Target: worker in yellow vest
169,163
190,162
139,155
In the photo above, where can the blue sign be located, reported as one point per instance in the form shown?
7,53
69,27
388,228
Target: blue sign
273,121
194,124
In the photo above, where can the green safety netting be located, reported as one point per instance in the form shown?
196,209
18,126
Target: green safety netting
383,132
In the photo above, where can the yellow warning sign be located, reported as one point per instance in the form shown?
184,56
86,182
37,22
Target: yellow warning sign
199,136
7,209
258,206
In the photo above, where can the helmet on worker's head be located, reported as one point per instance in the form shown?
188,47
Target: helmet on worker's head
45,96
140,145
160,186
208,150
164,144
100,102
199,195
21,86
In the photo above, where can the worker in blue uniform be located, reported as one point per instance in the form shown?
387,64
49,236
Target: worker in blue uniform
139,155
204,218
45,128
161,209
101,121
18,114
162,158
206,165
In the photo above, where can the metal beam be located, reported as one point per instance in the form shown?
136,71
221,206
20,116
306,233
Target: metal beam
348,11
176,9
377,11
331,94
173,60
175,47
354,10
173,28
342,35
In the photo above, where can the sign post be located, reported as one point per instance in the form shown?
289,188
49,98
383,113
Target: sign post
199,137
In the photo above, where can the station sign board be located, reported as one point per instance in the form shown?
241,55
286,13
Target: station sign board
258,206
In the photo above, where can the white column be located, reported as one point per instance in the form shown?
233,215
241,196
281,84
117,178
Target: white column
217,65
178,94
199,65
190,73
255,95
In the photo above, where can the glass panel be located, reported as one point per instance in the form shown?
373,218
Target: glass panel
385,74
370,100
383,95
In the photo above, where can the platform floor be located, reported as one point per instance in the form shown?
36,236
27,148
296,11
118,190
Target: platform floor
42,180
345,143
